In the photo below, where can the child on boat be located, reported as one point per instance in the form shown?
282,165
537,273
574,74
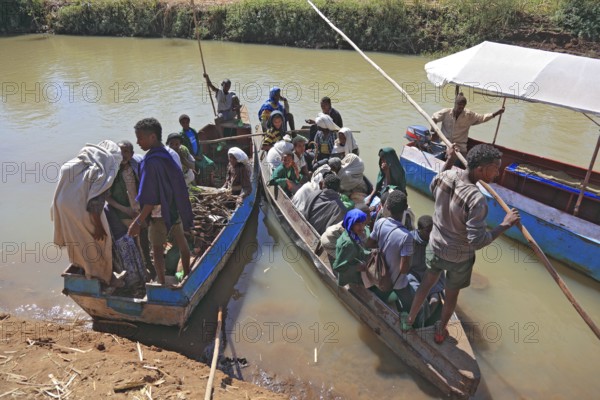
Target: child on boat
275,131
204,165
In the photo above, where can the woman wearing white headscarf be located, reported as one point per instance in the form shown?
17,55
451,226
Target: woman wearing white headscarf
77,209
325,136
345,143
351,174
239,174
279,148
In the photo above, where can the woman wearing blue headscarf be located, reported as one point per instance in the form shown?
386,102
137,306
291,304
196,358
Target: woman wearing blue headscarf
273,104
350,252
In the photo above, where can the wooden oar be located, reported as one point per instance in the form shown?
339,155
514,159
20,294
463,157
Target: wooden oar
498,124
224,139
213,365
538,251
532,242
202,56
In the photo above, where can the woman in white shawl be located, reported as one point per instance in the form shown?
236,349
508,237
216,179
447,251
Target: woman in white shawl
77,209
238,178
351,174
275,153
345,143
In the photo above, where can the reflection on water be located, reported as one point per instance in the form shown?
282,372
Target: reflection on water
529,341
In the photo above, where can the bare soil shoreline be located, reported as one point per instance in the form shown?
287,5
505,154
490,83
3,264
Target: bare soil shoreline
67,360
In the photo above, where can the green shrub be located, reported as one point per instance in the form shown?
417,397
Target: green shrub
19,16
580,17
110,17
395,26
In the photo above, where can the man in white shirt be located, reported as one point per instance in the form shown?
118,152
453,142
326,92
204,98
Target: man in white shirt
228,104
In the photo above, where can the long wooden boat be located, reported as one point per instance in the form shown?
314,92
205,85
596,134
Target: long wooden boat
564,218
451,367
163,305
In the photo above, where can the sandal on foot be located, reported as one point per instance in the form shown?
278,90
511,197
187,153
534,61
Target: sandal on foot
404,325
440,335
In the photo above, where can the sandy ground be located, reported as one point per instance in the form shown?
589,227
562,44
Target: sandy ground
50,360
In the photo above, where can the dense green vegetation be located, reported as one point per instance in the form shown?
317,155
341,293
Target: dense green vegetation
580,17
381,25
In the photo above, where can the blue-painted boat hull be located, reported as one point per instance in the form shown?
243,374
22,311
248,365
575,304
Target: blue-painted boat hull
566,238
163,305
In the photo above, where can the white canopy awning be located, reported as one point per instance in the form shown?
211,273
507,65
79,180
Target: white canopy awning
517,72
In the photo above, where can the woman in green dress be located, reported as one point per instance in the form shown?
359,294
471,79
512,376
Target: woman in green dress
391,174
350,252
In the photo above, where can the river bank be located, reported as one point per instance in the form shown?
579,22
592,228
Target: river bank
65,359
396,26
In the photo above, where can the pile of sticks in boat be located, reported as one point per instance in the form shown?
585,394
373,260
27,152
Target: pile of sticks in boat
212,211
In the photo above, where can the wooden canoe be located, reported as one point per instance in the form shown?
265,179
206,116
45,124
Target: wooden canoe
165,305
451,367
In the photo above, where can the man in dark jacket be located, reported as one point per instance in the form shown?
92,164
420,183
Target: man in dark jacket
324,207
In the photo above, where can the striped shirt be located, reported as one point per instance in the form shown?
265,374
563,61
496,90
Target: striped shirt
459,227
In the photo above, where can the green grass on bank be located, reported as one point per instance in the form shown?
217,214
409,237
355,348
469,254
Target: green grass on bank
380,25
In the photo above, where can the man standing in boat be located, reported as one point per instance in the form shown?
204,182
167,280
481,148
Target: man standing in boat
326,108
228,104
459,229
457,121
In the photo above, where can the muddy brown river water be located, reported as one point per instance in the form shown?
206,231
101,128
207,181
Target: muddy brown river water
59,92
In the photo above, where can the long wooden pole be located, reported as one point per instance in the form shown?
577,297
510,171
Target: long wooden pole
588,173
586,180
224,139
213,365
532,242
538,251
498,124
202,56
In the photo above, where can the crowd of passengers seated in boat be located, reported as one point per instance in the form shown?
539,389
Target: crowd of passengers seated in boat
323,175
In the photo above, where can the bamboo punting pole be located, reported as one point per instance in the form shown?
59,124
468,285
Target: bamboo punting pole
202,56
213,365
498,124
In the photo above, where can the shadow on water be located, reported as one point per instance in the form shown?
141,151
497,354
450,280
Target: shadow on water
196,338
391,365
